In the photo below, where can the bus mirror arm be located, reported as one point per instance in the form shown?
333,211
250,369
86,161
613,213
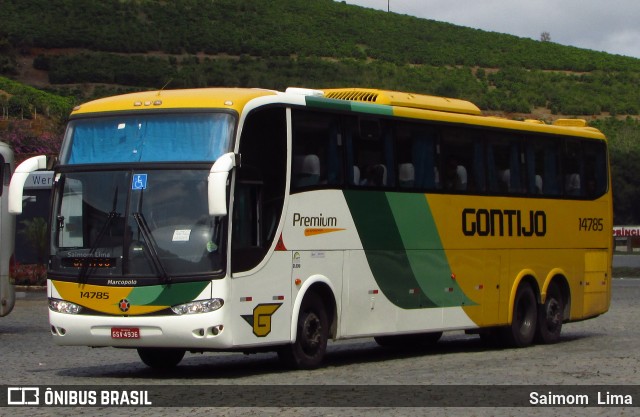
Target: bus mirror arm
16,186
217,186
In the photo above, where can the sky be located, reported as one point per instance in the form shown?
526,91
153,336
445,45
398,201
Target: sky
611,26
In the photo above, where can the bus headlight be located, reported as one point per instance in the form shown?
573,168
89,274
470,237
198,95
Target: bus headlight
201,306
62,306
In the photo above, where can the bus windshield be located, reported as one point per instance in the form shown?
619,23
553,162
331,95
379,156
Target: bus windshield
148,138
144,223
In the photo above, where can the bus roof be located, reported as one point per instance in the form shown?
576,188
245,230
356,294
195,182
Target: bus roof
408,105
231,98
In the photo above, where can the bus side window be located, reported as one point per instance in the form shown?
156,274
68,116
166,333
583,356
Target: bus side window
533,170
317,150
456,177
505,166
370,153
515,166
595,168
572,169
416,153
458,152
547,158
479,165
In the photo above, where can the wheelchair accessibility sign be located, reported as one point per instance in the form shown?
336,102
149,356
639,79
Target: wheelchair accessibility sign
139,182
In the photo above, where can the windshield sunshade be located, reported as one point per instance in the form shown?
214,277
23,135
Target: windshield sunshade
148,138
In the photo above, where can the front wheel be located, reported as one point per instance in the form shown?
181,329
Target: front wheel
161,358
525,313
312,333
550,316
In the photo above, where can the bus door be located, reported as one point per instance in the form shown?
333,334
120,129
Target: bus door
260,273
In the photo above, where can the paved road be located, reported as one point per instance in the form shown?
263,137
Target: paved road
601,351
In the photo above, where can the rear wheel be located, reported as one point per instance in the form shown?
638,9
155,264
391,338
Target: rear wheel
525,313
161,358
550,316
308,351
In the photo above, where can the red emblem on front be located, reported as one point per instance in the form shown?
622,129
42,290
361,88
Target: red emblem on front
124,305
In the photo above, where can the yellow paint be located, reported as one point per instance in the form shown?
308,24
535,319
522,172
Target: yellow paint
262,318
218,98
101,299
490,268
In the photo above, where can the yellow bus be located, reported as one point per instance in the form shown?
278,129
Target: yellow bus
248,220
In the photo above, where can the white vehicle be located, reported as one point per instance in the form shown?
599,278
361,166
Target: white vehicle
7,232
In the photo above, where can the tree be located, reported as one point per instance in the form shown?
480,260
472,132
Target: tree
545,37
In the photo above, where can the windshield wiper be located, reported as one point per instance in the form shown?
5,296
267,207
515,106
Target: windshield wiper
151,244
85,271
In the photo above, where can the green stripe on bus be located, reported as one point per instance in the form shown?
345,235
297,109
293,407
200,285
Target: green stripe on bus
385,250
167,295
377,109
346,105
327,103
403,249
424,249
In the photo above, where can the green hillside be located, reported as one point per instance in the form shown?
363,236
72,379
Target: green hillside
75,50
316,43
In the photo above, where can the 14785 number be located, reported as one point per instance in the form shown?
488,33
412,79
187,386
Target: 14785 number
94,294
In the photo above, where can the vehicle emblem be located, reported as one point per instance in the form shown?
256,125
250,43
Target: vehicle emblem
260,320
124,305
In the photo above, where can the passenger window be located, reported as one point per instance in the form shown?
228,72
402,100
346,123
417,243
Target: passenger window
317,150
572,169
595,167
458,161
417,157
371,153
505,166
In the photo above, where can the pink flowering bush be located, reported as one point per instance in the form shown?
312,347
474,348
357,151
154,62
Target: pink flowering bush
31,274
24,139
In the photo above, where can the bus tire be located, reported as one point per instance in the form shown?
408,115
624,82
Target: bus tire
161,358
550,316
525,313
310,346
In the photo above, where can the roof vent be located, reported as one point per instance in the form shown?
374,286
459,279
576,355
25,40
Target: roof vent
398,99
353,95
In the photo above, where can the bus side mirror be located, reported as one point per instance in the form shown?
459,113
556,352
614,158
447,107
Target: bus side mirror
16,186
217,187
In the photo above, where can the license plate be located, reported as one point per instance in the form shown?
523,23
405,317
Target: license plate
125,333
